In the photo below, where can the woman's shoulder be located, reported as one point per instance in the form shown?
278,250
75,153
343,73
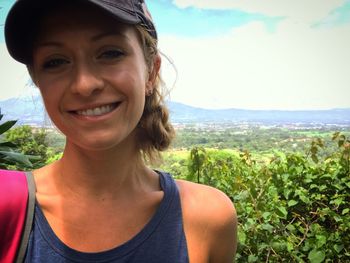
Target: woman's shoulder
210,201
209,217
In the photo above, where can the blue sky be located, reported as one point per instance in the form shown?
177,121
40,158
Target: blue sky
253,54
191,21
5,6
338,16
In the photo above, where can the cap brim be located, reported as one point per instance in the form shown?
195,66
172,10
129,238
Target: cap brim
20,24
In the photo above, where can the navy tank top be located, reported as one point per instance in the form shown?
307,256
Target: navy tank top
162,240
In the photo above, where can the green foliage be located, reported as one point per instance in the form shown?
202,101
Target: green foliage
30,142
175,163
198,158
293,209
8,154
54,158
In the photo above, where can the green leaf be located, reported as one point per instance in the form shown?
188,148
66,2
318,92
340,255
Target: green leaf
338,201
7,144
316,256
292,203
290,246
282,212
323,187
252,258
304,198
266,215
345,211
290,227
33,158
278,246
337,218
315,227
18,157
267,227
286,192
338,247
321,240
6,126
242,237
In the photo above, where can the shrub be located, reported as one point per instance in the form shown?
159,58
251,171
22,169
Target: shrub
293,209
9,156
31,141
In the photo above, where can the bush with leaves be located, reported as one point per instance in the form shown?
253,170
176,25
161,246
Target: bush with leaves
9,155
294,209
30,142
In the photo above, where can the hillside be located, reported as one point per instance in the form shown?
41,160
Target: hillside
186,114
29,110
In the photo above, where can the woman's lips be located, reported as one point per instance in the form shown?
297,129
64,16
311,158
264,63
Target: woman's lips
97,111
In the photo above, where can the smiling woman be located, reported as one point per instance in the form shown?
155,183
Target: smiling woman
97,65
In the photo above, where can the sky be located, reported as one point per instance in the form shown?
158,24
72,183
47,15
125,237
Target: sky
249,54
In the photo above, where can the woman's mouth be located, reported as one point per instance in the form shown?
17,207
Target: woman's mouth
97,111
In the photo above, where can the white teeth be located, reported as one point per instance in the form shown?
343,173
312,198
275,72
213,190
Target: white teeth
96,111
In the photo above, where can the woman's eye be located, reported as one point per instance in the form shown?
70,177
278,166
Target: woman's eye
54,63
111,54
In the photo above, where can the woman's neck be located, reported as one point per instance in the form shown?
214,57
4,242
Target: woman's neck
108,174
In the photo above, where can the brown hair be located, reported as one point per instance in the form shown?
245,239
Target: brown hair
155,131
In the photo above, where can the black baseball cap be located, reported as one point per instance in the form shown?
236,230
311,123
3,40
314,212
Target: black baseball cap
20,22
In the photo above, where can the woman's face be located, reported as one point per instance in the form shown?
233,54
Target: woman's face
92,76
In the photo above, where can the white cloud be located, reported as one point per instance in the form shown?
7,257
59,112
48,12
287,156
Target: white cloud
296,67
13,76
307,11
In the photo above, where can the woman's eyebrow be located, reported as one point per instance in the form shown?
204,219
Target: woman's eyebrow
93,39
108,34
48,43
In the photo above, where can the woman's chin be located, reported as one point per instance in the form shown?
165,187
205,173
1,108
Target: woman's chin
101,143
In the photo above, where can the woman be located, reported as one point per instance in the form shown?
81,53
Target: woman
97,66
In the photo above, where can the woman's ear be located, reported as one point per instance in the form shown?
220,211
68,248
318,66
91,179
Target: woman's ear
153,74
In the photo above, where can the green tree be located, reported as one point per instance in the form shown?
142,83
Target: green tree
198,157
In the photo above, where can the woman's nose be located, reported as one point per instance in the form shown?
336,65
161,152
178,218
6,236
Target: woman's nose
86,80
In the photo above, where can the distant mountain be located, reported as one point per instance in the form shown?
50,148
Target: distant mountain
182,113
30,110
26,109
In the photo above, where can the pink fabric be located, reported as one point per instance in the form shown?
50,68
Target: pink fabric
13,205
